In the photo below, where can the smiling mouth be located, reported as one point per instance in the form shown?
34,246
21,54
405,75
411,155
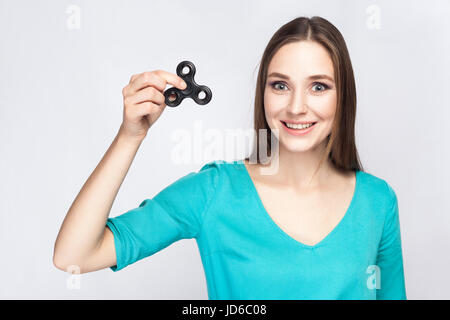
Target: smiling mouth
284,123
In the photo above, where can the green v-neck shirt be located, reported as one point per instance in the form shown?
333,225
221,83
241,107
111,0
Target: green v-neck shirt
246,255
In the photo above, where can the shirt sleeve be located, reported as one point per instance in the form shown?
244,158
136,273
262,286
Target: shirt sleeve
389,259
175,213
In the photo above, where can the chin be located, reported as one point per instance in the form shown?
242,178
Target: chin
291,146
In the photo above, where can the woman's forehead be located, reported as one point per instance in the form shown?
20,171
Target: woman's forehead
301,60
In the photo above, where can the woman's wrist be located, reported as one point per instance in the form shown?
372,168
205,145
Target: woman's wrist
122,137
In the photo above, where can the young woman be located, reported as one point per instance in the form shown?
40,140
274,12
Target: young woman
317,227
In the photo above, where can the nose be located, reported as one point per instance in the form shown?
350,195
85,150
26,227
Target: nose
298,103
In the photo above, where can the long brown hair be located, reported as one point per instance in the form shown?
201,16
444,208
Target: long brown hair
340,148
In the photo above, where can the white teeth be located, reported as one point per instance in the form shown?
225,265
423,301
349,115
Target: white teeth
298,126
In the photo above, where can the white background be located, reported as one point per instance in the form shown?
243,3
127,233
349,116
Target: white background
61,106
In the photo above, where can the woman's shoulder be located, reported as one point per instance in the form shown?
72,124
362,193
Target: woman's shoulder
376,187
197,185
220,166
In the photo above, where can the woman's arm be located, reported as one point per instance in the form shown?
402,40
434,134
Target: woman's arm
83,239
390,257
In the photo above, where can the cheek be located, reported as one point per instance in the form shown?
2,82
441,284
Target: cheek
273,103
324,106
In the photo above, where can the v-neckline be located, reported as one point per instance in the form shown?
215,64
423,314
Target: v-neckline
283,233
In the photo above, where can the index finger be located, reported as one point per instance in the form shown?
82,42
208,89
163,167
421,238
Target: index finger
157,79
172,78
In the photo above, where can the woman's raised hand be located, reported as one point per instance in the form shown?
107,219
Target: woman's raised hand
143,101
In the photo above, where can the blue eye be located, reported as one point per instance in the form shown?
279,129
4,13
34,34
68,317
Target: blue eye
272,84
321,86
318,85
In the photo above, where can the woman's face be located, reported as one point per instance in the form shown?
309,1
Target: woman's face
303,90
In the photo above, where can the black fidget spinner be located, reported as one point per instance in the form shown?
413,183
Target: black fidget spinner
192,90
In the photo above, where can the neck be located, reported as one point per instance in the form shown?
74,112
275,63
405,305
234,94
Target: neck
300,171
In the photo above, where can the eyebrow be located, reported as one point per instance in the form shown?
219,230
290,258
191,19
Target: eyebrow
313,77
